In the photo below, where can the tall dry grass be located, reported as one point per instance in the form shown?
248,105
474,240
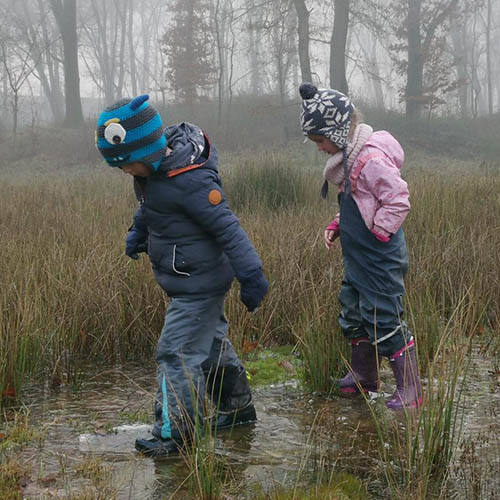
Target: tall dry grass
67,291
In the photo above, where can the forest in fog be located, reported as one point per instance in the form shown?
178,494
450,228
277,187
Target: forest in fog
60,60
80,321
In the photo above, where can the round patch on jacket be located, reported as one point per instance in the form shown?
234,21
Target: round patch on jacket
215,197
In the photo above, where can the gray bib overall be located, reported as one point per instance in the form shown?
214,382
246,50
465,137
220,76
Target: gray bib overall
371,294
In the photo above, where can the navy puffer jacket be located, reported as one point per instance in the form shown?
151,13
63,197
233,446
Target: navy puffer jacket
195,242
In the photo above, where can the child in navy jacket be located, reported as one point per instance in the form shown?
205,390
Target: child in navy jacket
196,247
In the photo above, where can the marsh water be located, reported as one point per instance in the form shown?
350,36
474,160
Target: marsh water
298,435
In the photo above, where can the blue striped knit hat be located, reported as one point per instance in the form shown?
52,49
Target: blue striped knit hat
131,130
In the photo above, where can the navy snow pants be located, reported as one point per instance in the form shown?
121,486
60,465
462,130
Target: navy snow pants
195,357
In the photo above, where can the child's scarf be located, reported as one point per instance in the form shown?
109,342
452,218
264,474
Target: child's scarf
334,169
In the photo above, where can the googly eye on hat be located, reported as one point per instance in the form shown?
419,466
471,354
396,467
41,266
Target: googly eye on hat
114,133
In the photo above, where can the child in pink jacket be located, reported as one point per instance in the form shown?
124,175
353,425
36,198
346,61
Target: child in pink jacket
374,201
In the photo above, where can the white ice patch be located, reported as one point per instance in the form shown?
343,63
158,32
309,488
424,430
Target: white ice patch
121,439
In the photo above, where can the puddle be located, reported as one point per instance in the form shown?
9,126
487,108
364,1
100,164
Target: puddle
90,424
295,431
478,458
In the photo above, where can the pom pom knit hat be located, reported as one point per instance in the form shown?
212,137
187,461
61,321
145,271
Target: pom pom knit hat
130,131
325,112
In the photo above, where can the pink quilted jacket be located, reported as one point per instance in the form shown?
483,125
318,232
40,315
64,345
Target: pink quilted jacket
377,187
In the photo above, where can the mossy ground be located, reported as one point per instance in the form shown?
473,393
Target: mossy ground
15,434
342,486
12,473
276,365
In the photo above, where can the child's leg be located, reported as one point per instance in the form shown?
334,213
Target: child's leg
350,319
363,366
184,345
383,321
226,378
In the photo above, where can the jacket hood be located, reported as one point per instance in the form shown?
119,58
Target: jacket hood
385,142
187,143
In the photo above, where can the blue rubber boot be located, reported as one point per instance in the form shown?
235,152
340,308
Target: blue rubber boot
363,371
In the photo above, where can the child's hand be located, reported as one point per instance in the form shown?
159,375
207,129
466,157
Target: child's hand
135,244
253,289
381,237
330,237
332,232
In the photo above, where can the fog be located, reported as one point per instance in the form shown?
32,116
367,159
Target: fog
62,60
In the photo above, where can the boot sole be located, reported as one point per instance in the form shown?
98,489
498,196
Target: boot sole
156,451
230,426
250,418
396,406
356,390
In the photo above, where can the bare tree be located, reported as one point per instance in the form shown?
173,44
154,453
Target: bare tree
152,61
419,48
228,21
220,20
255,22
131,49
415,72
488,57
45,43
106,35
476,50
280,30
65,14
368,45
459,38
18,63
421,52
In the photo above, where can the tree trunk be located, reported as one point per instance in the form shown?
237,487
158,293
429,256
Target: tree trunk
190,87
65,14
122,15
131,48
338,79
44,60
5,94
220,43
369,47
415,70
254,26
303,30
488,59
460,60
376,78
15,115
56,96
150,22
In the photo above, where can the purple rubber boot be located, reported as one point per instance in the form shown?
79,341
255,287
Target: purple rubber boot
363,371
408,393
